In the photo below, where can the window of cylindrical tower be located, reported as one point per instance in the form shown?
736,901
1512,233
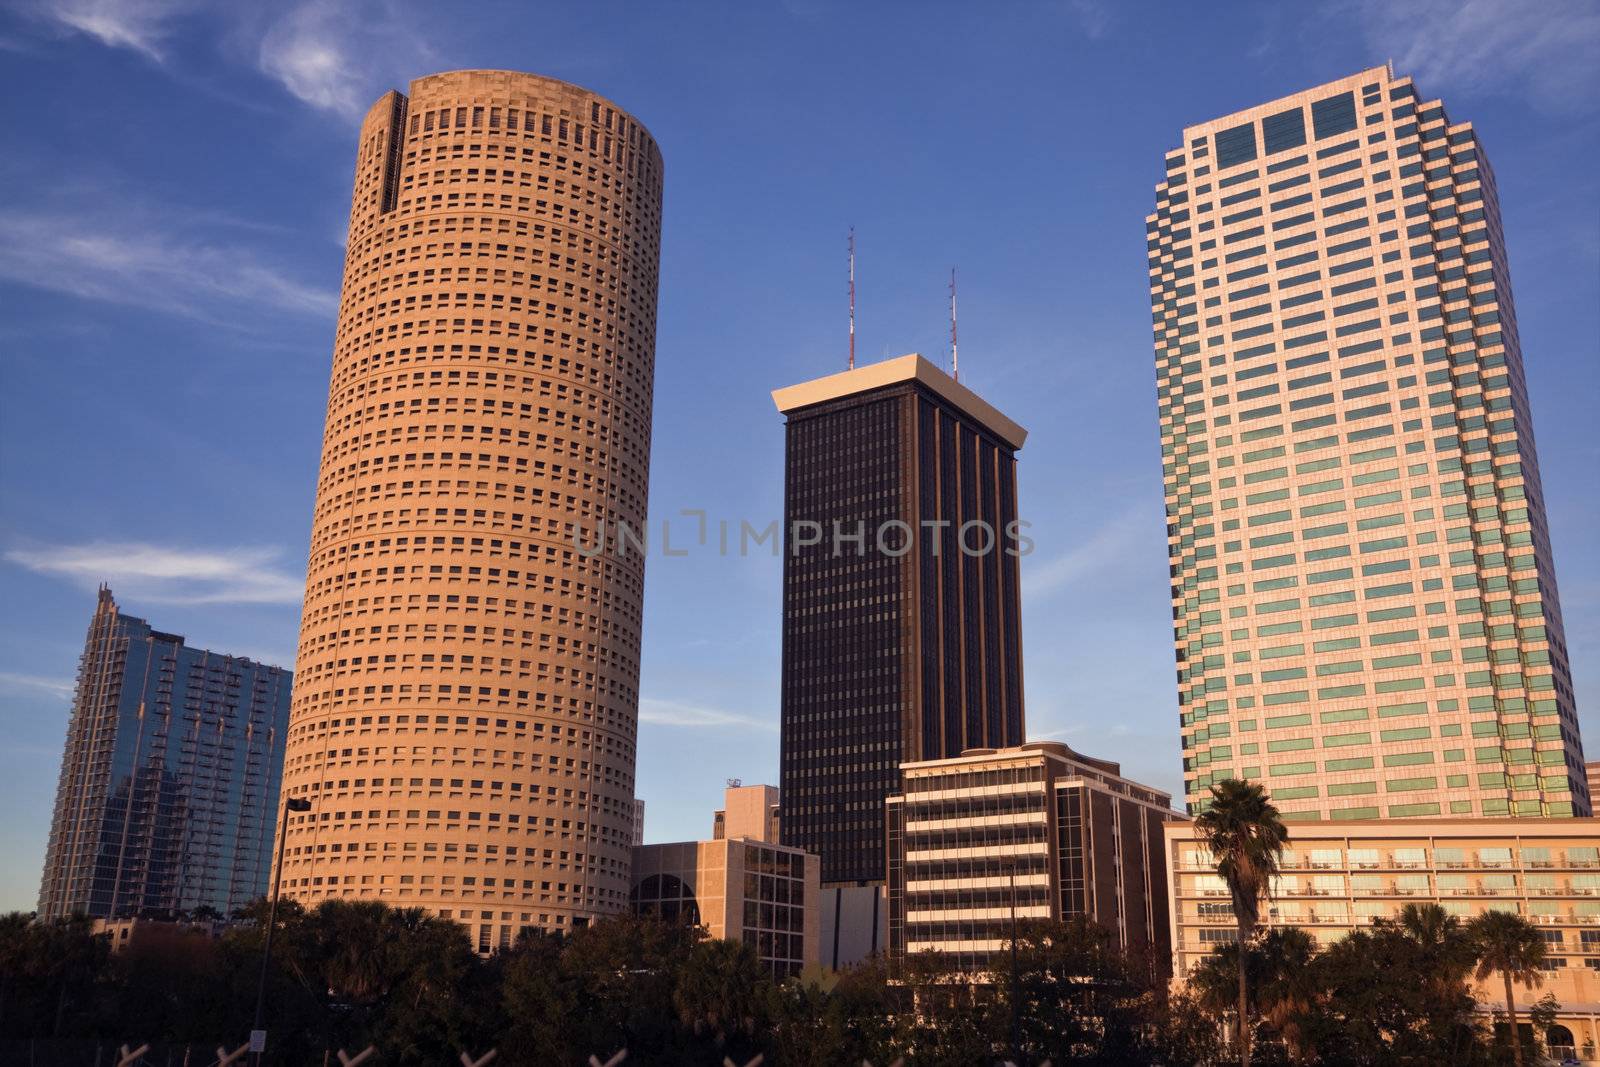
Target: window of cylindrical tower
469,700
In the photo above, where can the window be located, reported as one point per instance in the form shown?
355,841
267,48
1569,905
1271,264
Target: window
1285,130
1336,114
1237,145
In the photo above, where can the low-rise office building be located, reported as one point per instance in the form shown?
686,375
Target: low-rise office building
739,885
1038,831
1341,875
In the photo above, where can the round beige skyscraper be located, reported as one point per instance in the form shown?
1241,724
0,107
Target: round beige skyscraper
466,699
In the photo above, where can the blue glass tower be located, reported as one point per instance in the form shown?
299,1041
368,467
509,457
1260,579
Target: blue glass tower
169,782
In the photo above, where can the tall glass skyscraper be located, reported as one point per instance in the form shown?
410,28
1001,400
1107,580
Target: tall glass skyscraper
169,785
901,621
1363,596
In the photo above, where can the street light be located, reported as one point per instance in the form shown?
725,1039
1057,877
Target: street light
1016,1005
257,1035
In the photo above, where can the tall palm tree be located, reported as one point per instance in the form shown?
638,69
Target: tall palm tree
1246,836
1508,943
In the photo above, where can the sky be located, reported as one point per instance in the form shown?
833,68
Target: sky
176,180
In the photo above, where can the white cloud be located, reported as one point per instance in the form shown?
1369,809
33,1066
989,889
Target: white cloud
152,266
140,25
337,56
1093,16
1546,50
1107,546
673,713
56,687
168,575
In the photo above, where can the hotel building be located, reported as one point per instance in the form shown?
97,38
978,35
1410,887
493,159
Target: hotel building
465,719
169,782
1364,600
1340,875
901,626
1033,832
741,885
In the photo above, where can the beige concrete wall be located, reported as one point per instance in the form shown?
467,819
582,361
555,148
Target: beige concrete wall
465,714
751,811
1338,875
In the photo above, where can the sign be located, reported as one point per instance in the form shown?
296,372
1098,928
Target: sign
258,1041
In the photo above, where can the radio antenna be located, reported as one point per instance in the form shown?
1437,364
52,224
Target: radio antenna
955,351
852,298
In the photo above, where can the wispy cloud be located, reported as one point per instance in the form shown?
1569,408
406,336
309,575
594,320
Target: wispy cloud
1093,16
1104,548
338,56
141,25
170,575
56,687
1544,50
152,265
674,713
335,55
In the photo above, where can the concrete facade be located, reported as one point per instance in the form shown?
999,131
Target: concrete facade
741,885
749,811
466,713
1038,832
1340,875
1365,609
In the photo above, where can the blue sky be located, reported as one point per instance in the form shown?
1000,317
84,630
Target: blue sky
170,246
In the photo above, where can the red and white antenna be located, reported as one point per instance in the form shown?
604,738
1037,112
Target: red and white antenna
852,298
955,352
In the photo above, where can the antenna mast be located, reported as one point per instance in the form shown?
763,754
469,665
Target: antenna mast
852,298
955,352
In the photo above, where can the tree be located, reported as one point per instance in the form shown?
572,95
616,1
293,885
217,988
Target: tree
1387,999
1288,993
50,974
1508,943
823,1019
948,1018
1183,1032
1246,835
724,994
1081,999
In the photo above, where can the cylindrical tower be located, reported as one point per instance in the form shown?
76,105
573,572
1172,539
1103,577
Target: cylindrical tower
466,704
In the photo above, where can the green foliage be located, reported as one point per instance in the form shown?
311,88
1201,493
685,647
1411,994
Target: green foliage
1396,993
1246,835
348,974
1507,944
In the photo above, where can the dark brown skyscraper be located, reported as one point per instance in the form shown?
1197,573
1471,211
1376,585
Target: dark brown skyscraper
901,626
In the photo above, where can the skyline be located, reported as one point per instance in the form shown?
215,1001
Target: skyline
716,310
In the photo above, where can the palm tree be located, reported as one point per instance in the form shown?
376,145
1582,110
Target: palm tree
1246,835
1447,950
1287,989
1508,943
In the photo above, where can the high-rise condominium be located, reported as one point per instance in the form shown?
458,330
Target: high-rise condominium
1363,596
901,628
169,782
465,718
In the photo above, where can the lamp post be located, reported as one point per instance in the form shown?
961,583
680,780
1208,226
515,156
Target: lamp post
1016,1006
259,1046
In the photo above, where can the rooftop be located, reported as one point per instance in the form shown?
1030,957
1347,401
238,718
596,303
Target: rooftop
892,372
